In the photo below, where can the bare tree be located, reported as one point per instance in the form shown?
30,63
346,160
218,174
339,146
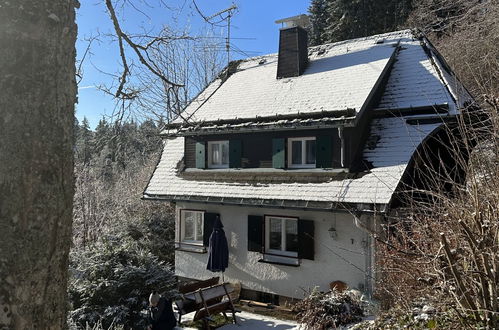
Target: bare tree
451,233
160,70
194,62
444,244
37,80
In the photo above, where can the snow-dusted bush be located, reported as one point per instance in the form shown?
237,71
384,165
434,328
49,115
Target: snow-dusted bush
330,309
110,283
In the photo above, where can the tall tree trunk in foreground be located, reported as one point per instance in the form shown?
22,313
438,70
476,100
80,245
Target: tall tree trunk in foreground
37,96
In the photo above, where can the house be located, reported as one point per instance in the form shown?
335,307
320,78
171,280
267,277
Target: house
303,155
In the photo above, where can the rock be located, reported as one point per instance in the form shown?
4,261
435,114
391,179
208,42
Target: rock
428,309
422,317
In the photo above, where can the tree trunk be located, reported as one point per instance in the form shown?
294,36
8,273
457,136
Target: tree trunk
37,96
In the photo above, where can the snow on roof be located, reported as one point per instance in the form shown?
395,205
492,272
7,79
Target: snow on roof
338,77
414,81
396,142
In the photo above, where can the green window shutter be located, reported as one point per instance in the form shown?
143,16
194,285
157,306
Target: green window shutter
324,152
235,153
200,155
306,240
255,233
209,221
278,153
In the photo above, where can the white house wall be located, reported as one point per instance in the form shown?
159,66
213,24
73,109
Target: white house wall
344,258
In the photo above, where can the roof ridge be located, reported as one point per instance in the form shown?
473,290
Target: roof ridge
407,32
367,38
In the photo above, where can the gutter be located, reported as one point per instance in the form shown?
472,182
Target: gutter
350,208
346,116
274,128
370,261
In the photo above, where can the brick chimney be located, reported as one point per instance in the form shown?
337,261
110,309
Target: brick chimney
293,46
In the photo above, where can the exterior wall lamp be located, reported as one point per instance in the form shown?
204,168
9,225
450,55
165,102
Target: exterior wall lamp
332,232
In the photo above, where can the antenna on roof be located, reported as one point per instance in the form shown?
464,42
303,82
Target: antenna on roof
230,11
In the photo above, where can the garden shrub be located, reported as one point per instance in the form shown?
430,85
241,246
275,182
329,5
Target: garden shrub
110,283
330,309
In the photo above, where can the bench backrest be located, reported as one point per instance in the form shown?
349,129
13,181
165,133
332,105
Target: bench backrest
212,293
191,287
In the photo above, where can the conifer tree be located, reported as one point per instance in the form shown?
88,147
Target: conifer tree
347,19
318,16
84,145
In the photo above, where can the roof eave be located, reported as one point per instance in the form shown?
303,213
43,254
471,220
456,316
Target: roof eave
336,118
347,207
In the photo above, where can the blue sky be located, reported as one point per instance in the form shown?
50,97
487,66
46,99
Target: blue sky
254,19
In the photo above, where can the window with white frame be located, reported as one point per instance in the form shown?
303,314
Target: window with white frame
301,152
218,154
191,226
281,236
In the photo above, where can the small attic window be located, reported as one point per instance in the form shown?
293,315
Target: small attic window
301,152
218,154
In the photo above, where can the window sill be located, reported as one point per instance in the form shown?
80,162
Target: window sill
186,247
303,167
280,260
278,263
218,167
263,175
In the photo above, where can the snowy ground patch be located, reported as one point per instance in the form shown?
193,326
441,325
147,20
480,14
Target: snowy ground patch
252,321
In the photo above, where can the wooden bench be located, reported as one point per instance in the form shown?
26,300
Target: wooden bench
185,306
207,301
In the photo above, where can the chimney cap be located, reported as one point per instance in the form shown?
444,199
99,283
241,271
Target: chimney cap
298,20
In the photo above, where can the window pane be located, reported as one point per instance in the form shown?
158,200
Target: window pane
291,235
189,226
296,157
199,226
275,234
215,153
310,151
225,153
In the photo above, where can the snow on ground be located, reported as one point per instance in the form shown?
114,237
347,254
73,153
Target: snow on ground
252,321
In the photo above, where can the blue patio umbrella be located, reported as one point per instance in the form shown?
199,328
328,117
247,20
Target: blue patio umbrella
218,250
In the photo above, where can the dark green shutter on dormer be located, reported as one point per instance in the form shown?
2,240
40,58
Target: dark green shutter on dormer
324,152
235,153
278,153
200,155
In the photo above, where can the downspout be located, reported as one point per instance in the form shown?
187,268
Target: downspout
342,142
370,259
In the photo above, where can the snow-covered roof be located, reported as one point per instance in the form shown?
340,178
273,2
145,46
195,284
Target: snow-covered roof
396,143
340,76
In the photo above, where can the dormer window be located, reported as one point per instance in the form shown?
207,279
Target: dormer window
218,154
301,152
